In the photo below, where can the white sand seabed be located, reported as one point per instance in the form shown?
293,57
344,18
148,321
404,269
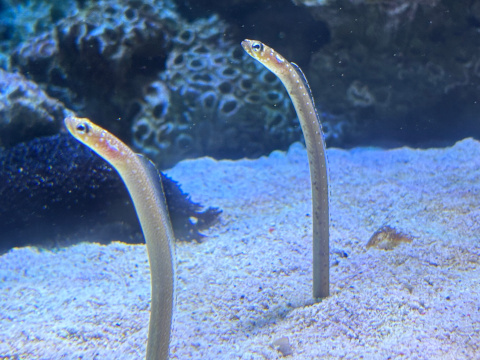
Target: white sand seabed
249,284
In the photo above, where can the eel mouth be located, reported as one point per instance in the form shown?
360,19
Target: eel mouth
247,46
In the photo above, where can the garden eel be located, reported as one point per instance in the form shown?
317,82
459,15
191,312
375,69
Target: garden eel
144,184
299,91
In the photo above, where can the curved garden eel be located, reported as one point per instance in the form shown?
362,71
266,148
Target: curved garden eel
299,91
144,184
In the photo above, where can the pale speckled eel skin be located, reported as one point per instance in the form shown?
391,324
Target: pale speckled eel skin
145,187
299,91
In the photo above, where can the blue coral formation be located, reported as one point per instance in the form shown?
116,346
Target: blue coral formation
212,100
93,60
23,19
179,88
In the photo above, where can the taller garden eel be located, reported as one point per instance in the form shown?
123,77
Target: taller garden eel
144,184
299,91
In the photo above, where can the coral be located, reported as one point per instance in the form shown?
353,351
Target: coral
23,19
127,62
286,27
26,111
195,92
212,100
54,188
178,89
187,89
93,61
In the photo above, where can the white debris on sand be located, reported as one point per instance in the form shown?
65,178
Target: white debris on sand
245,293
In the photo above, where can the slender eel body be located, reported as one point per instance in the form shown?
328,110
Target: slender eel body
299,91
145,187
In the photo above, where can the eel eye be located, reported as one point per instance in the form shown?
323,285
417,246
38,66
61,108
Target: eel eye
83,128
257,46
